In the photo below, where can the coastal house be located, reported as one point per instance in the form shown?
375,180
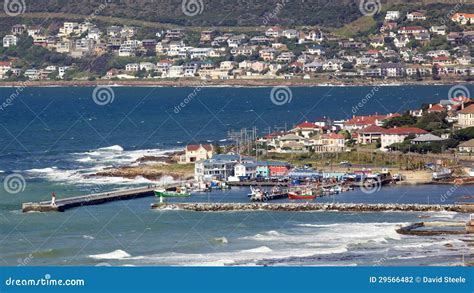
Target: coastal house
306,129
207,36
416,16
438,30
466,117
393,69
392,15
463,18
219,167
292,143
272,169
18,29
5,66
9,40
274,32
278,168
370,134
247,170
398,135
194,153
410,30
467,146
360,122
330,143
427,138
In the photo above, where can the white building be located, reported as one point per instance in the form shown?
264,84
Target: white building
9,40
392,15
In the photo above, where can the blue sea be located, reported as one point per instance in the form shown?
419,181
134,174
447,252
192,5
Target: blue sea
54,138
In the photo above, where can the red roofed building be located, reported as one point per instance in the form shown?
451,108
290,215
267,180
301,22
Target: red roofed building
398,135
436,109
195,153
359,122
441,60
463,18
306,129
330,143
5,66
370,134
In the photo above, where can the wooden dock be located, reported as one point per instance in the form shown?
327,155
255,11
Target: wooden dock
92,199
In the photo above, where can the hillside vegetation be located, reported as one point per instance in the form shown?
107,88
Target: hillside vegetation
331,14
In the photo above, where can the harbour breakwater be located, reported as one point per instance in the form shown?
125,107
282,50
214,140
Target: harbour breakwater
307,207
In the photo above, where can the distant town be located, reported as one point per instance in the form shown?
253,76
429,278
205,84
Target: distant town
405,47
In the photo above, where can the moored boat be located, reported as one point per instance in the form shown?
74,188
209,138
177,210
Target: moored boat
302,194
171,192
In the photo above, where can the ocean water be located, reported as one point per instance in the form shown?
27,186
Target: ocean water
56,137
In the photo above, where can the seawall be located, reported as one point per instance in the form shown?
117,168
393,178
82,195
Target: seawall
306,207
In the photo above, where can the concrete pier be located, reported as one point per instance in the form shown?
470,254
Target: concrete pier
307,207
91,199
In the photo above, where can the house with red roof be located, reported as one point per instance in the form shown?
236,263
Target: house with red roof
435,108
5,66
463,18
398,135
370,134
307,129
329,143
195,153
359,122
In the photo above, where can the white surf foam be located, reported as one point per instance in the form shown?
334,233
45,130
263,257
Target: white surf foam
117,254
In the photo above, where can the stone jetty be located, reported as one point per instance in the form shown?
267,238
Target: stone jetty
307,207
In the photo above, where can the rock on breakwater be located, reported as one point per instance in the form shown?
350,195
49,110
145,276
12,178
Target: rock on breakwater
306,207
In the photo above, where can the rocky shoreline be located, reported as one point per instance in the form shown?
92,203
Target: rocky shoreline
307,207
226,83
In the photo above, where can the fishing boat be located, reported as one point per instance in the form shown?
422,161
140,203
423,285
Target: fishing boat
301,194
256,194
172,192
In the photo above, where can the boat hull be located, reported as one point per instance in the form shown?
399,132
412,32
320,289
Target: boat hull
171,194
295,196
